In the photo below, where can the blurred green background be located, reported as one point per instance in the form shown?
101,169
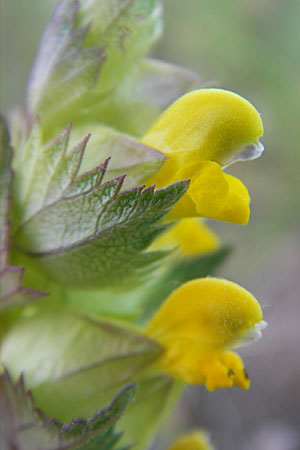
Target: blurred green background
251,47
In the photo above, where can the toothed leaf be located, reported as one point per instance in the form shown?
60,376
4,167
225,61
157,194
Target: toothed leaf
82,231
44,173
25,427
86,50
97,238
127,154
73,363
64,70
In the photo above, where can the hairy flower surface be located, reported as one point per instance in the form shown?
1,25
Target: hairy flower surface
199,133
199,324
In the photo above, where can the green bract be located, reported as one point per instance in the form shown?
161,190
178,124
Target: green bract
81,230
86,51
22,423
88,361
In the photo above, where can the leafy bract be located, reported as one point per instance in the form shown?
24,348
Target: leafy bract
64,70
82,231
90,65
127,154
24,427
11,291
147,90
74,363
86,50
156,398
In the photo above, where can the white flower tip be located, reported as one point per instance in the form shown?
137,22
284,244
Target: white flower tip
254,334
249,152
252,151
258,328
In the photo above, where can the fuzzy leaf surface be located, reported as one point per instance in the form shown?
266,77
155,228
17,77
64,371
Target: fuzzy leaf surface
64,70
99,237
86,50
146,91
82,231
73,363
24,427
127,154
43,173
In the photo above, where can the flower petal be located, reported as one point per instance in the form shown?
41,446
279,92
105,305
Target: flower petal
195,440
226,371
208,187
223,371
192,237
235,209
215,195
198,324
206,124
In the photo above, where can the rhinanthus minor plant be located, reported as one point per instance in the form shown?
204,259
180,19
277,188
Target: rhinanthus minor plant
106,310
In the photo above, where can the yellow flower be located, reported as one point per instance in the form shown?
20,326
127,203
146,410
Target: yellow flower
191,236
199,324
195,440
199,133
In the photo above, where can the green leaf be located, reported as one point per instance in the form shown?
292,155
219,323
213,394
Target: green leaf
81,231
125,29
156,398
127,154
43,174
98,238
84,54
64,70
147,90
180,273
74,363
25,427
11,291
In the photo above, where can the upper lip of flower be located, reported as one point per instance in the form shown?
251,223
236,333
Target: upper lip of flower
197,326
205,128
